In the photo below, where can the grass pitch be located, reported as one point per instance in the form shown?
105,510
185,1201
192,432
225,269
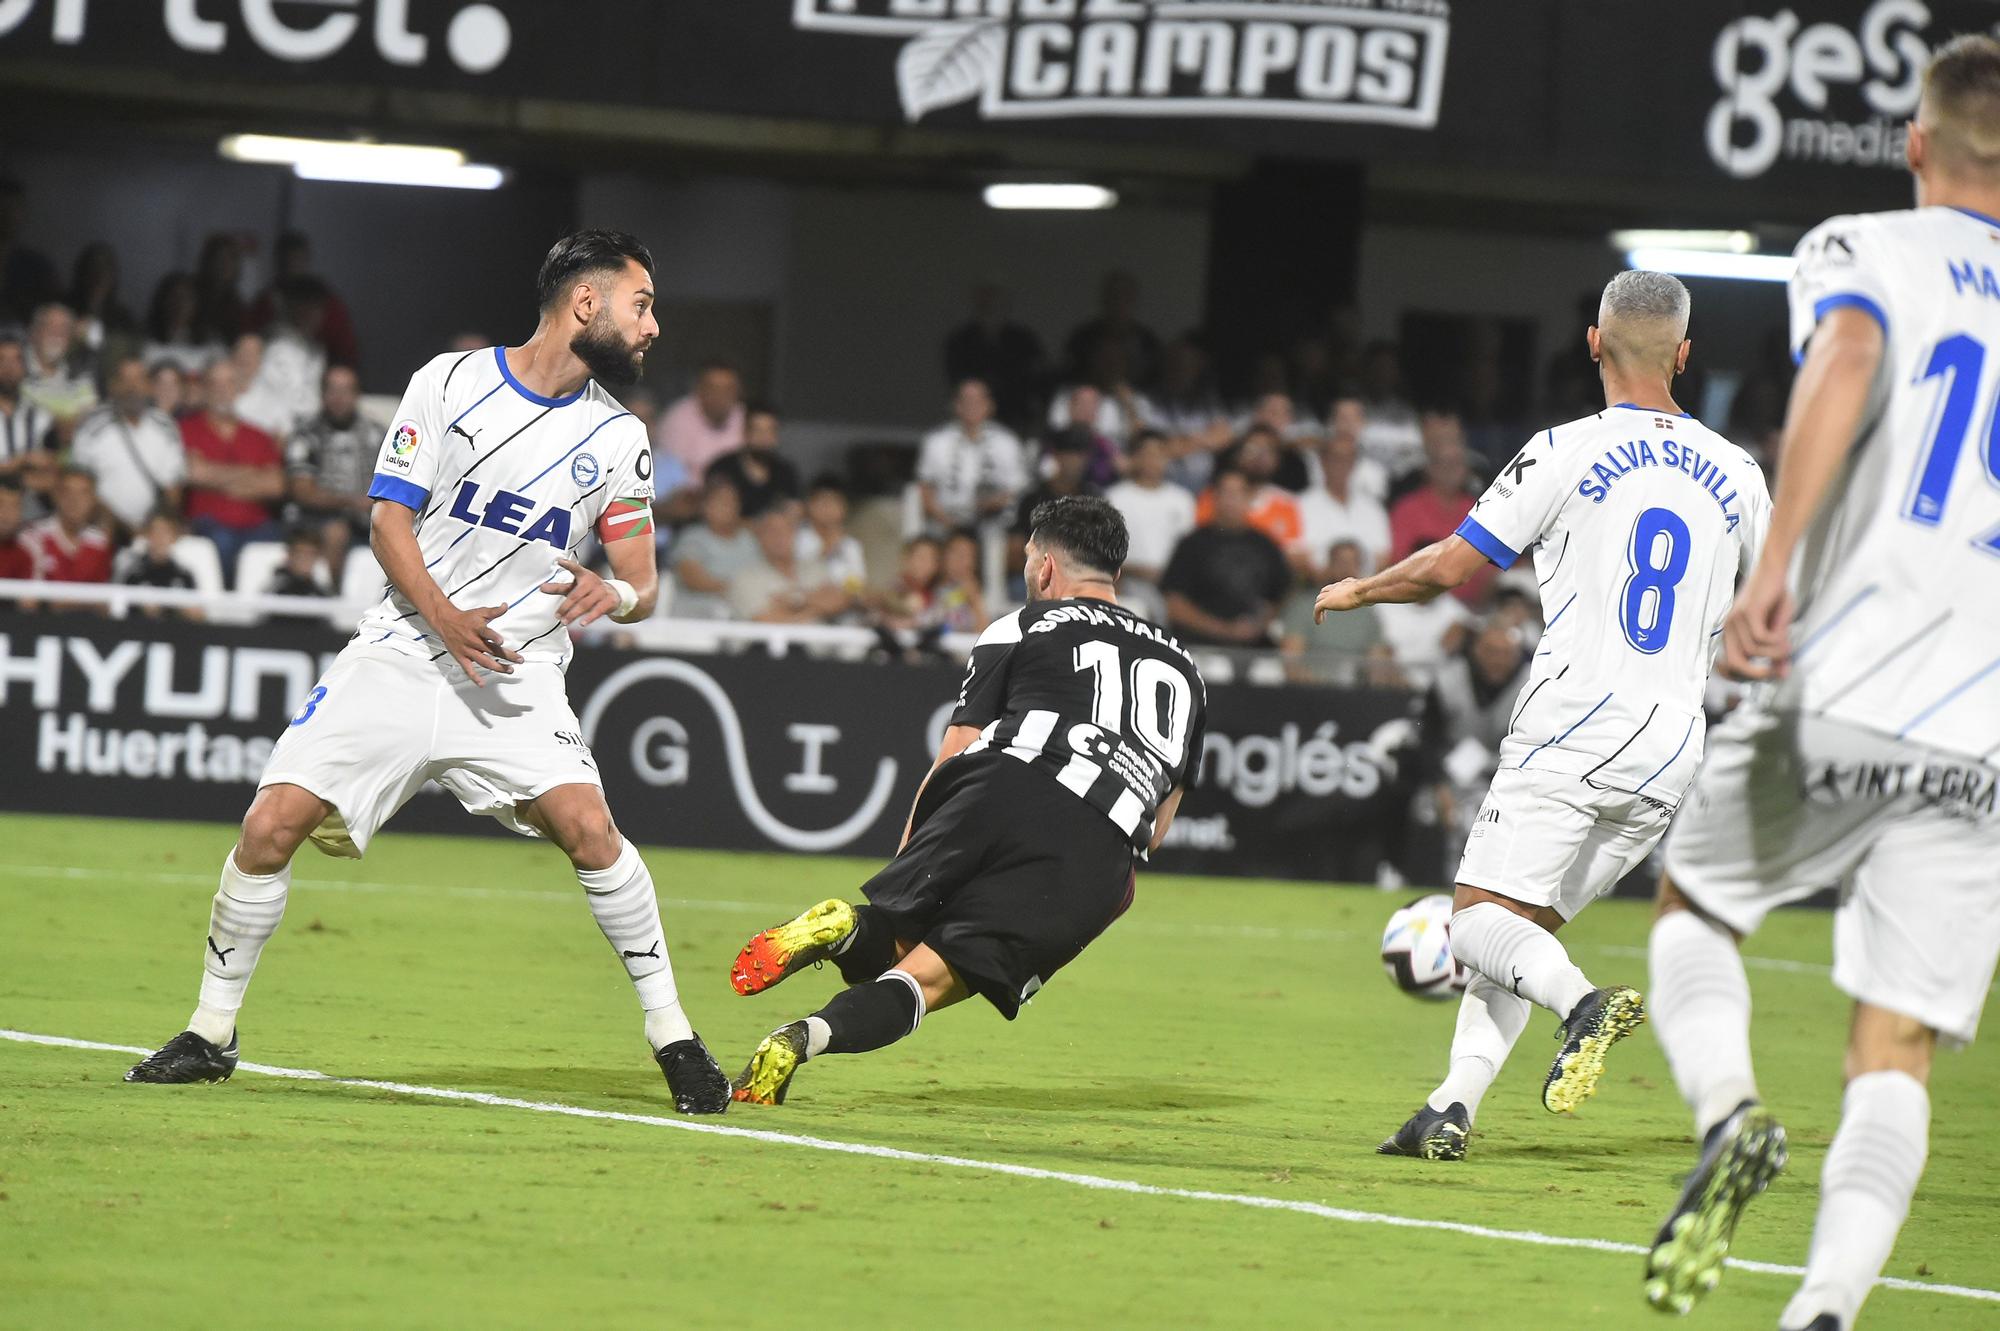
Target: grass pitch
1232,1037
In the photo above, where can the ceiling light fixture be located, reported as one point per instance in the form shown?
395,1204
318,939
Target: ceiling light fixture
1707,263
1050,196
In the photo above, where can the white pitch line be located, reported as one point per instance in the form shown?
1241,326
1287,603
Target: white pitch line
1095,1182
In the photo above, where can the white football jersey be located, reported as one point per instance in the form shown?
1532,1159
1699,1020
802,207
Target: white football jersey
1640,521
504,482
1898,578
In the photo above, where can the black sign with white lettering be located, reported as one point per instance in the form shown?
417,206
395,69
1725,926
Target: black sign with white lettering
1700,90
153,719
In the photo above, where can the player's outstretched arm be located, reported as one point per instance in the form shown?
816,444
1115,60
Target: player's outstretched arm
1821,424
467,634
1435,569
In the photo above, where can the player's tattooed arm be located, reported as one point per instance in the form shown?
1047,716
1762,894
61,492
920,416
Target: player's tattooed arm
1822,421
1435,569
468,635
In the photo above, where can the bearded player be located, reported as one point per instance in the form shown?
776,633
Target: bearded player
1870,761
1078,729
501,462
1640,520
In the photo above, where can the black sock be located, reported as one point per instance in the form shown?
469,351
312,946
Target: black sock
871,948
869,1016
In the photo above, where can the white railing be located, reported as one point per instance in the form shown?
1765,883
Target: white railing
661,634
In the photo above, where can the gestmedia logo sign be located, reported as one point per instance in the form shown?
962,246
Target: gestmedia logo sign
477,37
1817,92
1368,61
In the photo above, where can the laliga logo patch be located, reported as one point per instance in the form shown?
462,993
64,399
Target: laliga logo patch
584,470
402,446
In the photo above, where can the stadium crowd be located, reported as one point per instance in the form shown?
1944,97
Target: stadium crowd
235,415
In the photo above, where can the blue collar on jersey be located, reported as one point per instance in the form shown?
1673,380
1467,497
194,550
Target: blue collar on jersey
500,359
1993,222
1633,406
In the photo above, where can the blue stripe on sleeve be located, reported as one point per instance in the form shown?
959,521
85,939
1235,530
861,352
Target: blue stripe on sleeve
399,491
1486,543
1851,300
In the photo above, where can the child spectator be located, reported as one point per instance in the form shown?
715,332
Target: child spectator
960,604
65,546
299,575
825,536
152,563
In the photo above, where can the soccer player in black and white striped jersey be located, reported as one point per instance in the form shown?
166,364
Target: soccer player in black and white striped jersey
1076,734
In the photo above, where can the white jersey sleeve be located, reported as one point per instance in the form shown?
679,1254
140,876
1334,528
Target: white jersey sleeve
1839,265
1520,505
406,467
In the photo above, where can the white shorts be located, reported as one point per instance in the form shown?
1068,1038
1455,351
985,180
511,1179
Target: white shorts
1552,840
380,724
1787,805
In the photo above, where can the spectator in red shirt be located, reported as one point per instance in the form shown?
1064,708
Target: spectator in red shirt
64,547
235,472
14,560
1434,509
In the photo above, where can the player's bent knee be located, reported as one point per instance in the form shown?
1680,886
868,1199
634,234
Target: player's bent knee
279,821
1467,896
1885,1041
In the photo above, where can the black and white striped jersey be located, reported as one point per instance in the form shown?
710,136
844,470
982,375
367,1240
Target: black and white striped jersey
1109,705
24,429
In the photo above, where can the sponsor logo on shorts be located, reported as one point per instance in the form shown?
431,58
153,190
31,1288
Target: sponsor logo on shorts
1959,790
584,470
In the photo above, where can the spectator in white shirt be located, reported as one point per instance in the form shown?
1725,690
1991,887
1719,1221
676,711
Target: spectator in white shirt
1157,514
1349,416
1424,634
1341,508
1392,435
59,373
285,391
824,537
132,449
970,470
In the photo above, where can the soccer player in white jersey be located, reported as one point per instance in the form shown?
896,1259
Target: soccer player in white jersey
1868,761
1640,520
500,463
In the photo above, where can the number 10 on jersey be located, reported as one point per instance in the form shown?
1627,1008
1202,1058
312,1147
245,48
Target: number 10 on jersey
1155,709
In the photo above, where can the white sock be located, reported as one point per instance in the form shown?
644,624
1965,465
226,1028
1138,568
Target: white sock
1518,955
1871,1173
817,1035
1490,1020
244,915
622,900
1700,1006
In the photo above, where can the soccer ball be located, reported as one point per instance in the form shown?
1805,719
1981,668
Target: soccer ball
1416,950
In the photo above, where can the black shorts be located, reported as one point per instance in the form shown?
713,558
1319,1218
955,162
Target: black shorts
1008,876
